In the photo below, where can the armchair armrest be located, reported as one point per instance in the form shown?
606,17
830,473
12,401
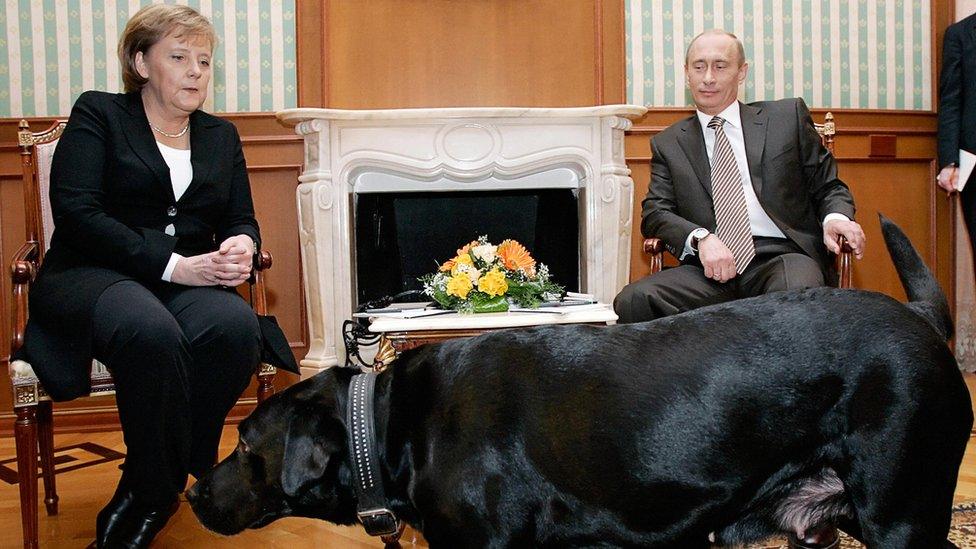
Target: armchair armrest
23,268
845,266
655,247
266,372
262,262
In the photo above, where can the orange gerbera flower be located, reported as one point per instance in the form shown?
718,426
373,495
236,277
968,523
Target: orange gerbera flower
449,264
514,256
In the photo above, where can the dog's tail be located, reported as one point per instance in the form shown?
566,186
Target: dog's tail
925,296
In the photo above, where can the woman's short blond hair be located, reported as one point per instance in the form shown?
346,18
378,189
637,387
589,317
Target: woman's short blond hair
150,25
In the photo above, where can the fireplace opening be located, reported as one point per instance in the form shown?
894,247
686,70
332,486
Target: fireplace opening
401,236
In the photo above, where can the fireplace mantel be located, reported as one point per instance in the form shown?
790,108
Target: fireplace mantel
464,147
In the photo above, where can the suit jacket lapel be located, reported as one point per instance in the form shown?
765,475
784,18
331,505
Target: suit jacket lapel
203,141
142,141
692,142
754,134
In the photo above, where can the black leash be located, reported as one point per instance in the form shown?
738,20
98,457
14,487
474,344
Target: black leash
371,508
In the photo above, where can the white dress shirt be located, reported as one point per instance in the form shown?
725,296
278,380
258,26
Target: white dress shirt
759,221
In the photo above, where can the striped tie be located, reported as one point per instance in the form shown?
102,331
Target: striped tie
731,214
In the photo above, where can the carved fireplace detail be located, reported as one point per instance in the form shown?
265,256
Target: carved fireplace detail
454,149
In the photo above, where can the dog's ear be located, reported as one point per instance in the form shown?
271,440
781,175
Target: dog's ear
308,448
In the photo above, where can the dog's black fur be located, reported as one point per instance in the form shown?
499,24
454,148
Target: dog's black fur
773,414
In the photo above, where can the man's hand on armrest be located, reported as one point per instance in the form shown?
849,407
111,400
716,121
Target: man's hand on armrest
851,230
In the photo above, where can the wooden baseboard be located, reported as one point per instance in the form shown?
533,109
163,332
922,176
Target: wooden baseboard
106,418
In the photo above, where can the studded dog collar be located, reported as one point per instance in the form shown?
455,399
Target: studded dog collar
371,508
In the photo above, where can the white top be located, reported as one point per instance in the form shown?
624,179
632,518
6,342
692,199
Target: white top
180,168
180,174
759,221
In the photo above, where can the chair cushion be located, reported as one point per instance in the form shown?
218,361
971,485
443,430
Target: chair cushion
22,376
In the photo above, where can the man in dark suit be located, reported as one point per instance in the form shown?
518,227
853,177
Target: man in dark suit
746,196
957,112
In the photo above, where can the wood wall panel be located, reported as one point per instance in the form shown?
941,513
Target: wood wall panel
444,53
274,191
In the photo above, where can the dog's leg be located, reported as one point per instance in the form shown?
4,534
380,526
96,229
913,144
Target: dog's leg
901,482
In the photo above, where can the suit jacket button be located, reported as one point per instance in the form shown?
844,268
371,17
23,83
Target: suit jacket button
171,211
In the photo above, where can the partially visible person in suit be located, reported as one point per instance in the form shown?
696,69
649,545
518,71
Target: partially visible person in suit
957,113
154,227
745,195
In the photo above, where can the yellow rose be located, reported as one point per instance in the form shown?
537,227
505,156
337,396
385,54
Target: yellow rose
459,286
493,283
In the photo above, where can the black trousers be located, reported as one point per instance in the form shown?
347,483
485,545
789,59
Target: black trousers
180,357
779,265
967,199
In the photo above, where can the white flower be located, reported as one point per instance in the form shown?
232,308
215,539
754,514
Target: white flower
473,273
484,252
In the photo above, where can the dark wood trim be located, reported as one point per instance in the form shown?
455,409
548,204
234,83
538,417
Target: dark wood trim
272,139
622,51
308,48
903,130
598,52
106,418
943,14
275,168
326,99
840,159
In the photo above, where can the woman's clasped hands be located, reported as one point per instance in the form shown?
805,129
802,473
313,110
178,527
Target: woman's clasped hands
229,266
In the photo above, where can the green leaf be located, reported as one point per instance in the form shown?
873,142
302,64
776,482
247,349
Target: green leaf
497,304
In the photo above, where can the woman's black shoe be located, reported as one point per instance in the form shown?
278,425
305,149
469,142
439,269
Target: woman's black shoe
141,524
110,517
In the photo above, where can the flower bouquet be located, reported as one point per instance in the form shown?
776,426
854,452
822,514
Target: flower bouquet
484,278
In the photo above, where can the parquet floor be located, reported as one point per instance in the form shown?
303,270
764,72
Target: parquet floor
84,491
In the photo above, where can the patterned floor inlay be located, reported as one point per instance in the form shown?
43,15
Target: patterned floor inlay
68,458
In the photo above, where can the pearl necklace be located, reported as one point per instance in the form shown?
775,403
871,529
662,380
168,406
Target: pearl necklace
170,135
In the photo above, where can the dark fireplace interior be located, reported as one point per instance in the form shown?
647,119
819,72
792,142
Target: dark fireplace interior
402,236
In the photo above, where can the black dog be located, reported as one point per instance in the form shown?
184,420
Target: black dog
774,414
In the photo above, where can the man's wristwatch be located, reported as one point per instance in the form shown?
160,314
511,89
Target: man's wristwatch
697,236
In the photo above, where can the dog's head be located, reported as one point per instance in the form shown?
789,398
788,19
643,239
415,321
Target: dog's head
288,462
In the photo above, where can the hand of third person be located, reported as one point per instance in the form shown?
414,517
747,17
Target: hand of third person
948,178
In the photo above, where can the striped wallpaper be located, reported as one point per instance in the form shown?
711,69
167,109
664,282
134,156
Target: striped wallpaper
867,54
52,50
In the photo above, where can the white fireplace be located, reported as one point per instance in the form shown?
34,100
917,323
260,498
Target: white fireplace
454,149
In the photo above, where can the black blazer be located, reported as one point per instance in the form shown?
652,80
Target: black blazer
794,176
957,92
112,198
957,107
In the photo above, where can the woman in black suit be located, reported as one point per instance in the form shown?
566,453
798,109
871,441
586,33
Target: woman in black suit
154,226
